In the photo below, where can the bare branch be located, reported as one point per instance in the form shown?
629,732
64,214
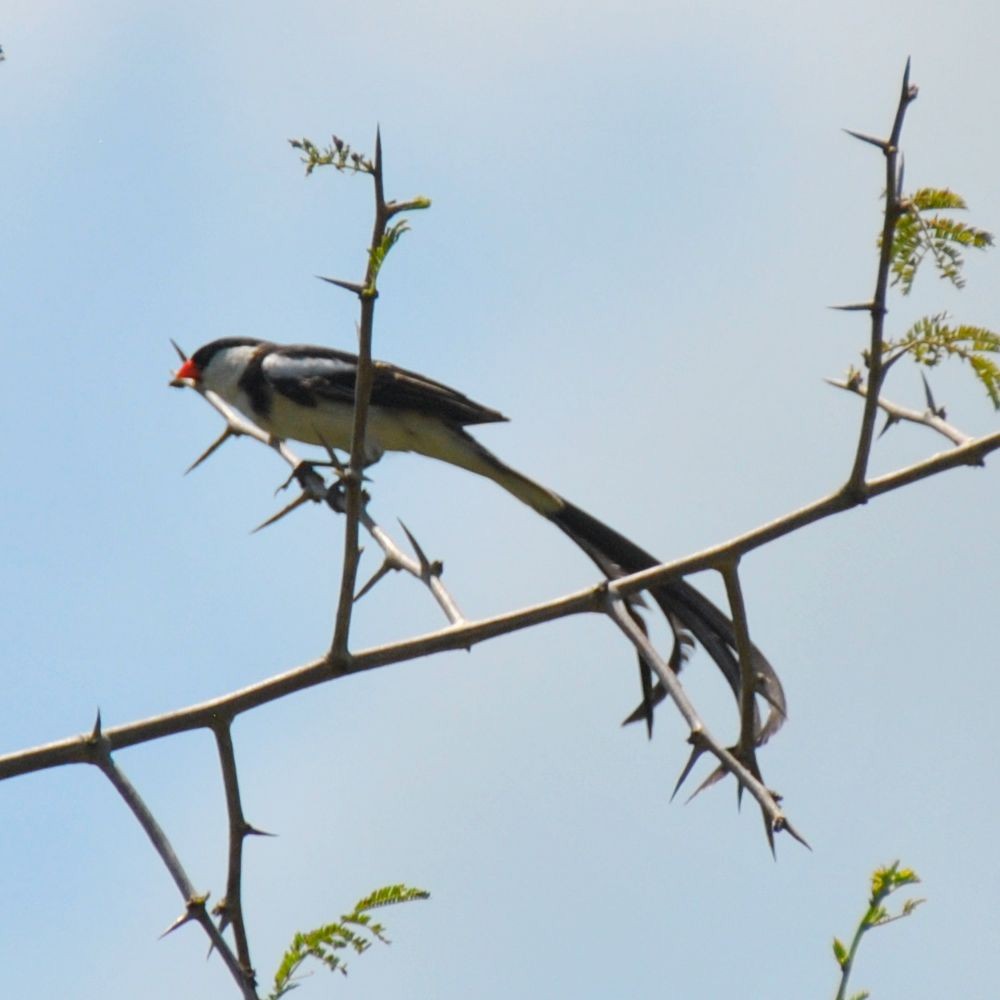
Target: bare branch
893,209
929,418
972,453
98,748
230,909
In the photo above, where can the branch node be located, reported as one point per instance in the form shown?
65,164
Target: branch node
193,910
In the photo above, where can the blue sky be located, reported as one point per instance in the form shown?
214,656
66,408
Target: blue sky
641,212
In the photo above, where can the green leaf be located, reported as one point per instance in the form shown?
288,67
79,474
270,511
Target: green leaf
323,943
936,199
930,340
390,895
917,235
338,155
839,952
377,255
988,372
884,881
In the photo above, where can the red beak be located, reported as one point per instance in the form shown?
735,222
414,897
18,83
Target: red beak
187,370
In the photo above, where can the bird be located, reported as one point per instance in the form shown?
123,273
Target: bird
306,393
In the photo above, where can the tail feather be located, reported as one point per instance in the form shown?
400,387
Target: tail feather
687,610
617,555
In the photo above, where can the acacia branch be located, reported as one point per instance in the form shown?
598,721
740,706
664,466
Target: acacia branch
230,909
470,633
878,309
895,412
98,752
364,379
699,735
744,650
972,453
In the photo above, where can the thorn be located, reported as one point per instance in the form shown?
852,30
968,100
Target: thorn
855,307
909,93
426,566
179,922
769,832
938,411
252,831
870,139
180,353
217,443
691,761
287,509
784,824
95,734
928,395
889,421
350,286
378,149
382,571
717,775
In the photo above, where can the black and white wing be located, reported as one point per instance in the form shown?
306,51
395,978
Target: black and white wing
309,375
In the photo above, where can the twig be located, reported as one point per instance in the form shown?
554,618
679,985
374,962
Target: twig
893,209
363,381
230,909
972,453
700,737
98,752
896,412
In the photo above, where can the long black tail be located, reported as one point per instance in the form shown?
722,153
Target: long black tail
687,610
684,607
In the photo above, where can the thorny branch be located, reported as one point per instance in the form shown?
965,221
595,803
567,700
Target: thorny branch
229,910
893,210
470,633
354,495
382,240
607,597
931,417
98,752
